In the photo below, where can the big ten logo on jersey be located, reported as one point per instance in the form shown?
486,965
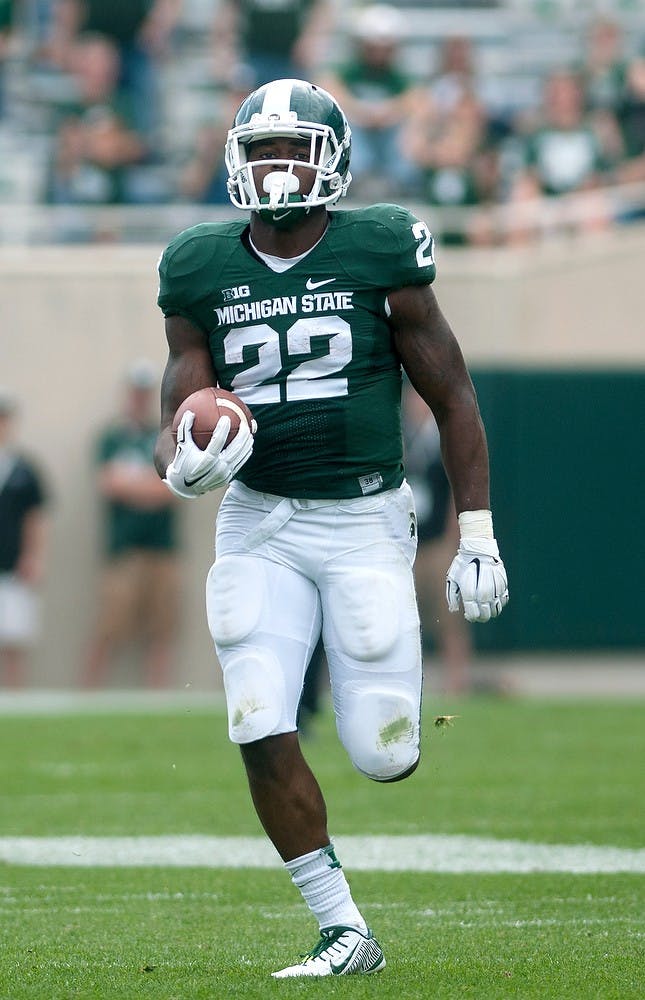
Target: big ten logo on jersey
239,292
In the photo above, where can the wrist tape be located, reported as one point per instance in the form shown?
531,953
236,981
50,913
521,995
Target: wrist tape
476,524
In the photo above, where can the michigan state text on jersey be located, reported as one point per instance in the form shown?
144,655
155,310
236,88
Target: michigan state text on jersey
309,349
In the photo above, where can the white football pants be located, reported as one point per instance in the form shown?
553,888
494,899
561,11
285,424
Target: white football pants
285,567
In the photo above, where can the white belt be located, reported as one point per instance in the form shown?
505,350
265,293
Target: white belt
268,526
279,516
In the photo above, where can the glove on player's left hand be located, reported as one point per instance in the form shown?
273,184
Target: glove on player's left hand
477,577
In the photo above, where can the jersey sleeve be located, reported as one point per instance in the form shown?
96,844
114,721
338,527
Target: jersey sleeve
390,247
413,261
187,268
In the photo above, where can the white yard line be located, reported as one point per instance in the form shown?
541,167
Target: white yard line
459,854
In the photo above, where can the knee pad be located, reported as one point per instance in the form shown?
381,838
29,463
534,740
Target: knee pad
254,694
234,591
379,728
364,610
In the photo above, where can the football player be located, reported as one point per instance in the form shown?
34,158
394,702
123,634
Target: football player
309,315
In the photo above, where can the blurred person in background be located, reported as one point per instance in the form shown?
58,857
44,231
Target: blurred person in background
97,150
141,31
315,683
276,39
138,599
631,117
448,148
204,176
94,68
438,535
564,153
603,68
6,24
91,161
23,548
379,97
454,75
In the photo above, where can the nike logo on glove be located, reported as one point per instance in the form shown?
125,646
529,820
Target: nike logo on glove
310,284
476,563
192,482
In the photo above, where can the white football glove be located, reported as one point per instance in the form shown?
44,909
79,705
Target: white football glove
477,577
193,471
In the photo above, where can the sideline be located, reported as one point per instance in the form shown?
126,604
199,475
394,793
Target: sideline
449,854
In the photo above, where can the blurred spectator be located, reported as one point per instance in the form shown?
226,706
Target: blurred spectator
455,75
140,30
91,159
603,69
204,177
139,592
378,97
96,146
280,39
631,116
315,683
23,538
6,23
94,68
454,141
448,148
438,534
564,152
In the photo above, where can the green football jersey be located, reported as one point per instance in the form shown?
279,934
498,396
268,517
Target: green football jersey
309,350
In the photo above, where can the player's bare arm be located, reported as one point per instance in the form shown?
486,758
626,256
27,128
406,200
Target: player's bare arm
432,358
189,367
435,365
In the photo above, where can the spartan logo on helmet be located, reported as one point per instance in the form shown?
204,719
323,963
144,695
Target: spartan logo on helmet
295,109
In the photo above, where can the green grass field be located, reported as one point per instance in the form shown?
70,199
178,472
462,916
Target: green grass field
549,772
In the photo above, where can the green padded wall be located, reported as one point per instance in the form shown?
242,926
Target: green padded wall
568,496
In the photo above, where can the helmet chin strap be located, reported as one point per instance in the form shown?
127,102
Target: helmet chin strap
279,185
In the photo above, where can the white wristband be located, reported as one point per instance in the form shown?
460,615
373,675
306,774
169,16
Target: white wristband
476,524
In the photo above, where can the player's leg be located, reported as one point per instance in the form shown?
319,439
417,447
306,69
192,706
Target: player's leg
372,636
286,795
265,619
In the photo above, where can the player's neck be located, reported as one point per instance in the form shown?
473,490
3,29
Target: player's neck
289,242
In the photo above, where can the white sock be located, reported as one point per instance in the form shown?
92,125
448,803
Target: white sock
324,888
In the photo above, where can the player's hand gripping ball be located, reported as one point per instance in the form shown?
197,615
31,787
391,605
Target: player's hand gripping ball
209,405
213,430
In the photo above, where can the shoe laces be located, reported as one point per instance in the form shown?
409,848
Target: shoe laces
328,939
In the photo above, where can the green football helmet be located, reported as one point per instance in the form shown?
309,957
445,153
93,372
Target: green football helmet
295,109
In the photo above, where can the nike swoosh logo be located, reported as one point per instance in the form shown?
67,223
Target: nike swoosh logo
192,482
477,563
282,215
337,970
310,285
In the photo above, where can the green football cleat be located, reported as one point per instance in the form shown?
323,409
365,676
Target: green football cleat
341,951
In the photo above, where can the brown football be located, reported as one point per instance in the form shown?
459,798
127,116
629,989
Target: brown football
209,405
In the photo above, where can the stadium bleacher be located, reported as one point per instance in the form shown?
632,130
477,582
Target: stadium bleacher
517,43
